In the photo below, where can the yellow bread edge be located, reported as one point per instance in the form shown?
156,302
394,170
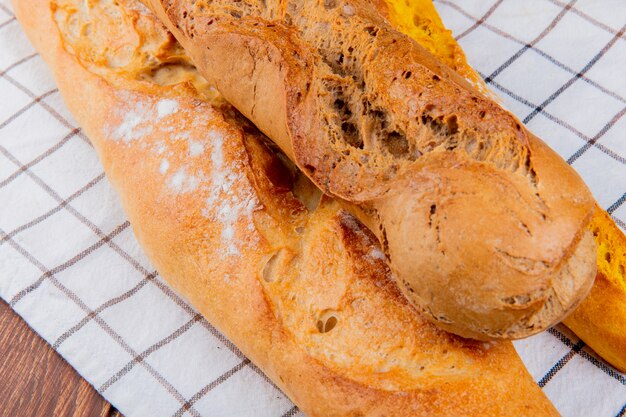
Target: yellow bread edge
600,321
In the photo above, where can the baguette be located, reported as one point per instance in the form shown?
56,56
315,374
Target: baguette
483,225
304,294
600,320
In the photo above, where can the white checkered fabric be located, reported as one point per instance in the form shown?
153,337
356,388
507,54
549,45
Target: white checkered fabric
71,267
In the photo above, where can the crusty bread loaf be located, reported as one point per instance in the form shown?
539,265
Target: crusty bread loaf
420,20
305,294
600,320
484,226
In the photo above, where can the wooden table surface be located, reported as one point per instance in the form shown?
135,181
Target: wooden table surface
36,381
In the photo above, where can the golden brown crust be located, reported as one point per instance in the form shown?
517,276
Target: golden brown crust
182,163
484,226
600,320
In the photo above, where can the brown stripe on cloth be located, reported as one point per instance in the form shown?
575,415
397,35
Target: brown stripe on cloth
109,303
560,122
480,21
617,204
107,329
560,364
18,63
583,353
36,99
576,77
39,158
589,19
619,222
47,273
291,412
141,357
538,51
6,10
7,22
532,43
597,137
43,104
213,384
56,209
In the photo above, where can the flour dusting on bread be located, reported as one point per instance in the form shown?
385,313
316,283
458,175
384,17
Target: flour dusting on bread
196,148
165,165
135,124
230,197
182,182
165,107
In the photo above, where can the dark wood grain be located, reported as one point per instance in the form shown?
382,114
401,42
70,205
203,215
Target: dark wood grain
36,381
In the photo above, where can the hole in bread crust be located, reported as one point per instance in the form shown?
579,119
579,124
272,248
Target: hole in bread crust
272,266
396,143
327,321
517,300
433,210
453,125
306,192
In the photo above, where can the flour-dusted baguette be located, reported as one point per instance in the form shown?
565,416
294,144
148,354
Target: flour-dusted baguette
304,294
484,226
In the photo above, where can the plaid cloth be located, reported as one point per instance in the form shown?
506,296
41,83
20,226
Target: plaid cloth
70,265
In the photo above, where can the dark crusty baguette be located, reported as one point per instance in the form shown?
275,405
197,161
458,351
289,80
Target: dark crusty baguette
484,226
305,295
